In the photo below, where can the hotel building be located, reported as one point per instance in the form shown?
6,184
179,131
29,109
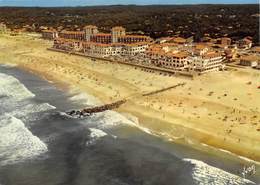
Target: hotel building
210,61
92,42
176,54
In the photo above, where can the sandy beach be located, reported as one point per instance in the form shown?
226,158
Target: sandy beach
220,109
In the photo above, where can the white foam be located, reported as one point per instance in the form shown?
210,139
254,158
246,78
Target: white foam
17,143
95,134
11,87
112,119
85,99
205,174
230,153
8,65
32,108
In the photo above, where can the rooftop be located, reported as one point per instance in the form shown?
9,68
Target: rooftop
256,49
118,28
90,27
73,32
49,31
212,54
250,58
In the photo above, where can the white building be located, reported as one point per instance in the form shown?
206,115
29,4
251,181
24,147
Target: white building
134,49
171,60
211,61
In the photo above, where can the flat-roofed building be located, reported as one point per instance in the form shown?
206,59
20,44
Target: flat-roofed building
89,31
67,44
49,34
101,50
104,38
77,35
114,41
134,48
210,61
249,60
117,31
172,60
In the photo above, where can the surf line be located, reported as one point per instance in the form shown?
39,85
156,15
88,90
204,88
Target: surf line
89,111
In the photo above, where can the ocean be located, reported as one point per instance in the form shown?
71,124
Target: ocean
40,145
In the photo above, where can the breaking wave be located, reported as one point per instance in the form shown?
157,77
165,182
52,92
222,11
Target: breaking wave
17,143
31,108
95,134
12,88
203,173
85,99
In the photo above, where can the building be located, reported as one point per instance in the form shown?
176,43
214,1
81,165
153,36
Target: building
174,53
159,58
258,66
3,28
100,49
179,40
89,31
134,48
76,35
226,41
67,44
117,35
210,61
49,34
93,42
231,53
255,50
200,49
250,60
245,43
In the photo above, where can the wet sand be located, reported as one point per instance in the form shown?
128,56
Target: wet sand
220,109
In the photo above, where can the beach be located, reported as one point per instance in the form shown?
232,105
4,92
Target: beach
219,109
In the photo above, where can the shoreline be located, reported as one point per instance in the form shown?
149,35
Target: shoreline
160,120
179,140
183,141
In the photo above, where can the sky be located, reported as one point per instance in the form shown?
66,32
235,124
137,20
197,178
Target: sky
47,3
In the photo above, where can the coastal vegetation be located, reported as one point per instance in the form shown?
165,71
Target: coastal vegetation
234,21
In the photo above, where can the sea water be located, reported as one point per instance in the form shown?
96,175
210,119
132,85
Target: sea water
40,145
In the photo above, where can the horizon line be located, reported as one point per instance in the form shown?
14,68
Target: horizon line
77,6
